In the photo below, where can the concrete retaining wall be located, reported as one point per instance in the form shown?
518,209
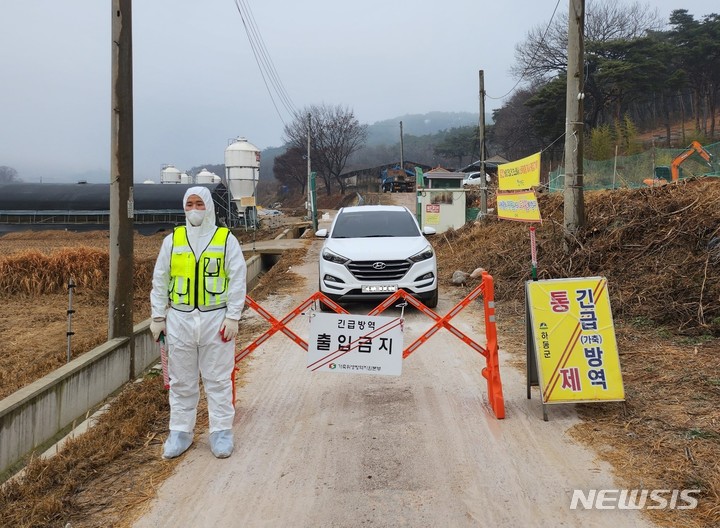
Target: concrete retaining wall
254,269
36,416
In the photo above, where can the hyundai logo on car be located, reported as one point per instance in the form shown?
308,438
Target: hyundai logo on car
378,265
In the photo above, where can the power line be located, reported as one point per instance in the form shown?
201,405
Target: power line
265,65
554,141
277,83
537,48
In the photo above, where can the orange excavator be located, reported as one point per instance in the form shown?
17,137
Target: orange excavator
673,171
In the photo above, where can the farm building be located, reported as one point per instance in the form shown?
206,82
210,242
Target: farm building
86,207
370,179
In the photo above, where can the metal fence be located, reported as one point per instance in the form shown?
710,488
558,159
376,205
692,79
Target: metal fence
631,171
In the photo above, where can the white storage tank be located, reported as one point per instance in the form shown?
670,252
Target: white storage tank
205,176
169,174
184,178
242,166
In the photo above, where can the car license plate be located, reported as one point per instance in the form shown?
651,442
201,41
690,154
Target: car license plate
379,288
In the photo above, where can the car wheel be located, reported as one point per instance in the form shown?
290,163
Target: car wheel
324,307
432,301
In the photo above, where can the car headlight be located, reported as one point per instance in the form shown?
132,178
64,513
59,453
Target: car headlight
425,254
333,257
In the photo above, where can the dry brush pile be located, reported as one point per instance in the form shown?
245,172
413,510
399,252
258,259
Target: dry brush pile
658,247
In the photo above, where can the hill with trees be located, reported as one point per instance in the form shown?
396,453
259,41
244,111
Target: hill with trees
649,83
639,76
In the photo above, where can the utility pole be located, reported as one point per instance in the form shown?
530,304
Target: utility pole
574,206
120,309
481,138
402,150
309,201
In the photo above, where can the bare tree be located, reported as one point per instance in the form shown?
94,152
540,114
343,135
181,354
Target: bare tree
290,168
335,133
543,54
8,175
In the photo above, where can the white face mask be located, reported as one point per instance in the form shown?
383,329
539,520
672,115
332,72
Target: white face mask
195,216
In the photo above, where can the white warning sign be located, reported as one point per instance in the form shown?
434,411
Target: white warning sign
360,344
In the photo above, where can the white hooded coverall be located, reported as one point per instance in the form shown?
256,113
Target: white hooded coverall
195,346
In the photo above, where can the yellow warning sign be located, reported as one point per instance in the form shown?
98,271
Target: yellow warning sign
574,340
520,206
519,175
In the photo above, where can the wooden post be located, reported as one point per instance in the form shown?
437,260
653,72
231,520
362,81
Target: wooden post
574,206
120,310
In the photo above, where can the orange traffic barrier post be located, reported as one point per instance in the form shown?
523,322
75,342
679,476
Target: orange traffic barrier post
491,372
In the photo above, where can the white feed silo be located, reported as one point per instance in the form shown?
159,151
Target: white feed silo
205,176
242,171
169,174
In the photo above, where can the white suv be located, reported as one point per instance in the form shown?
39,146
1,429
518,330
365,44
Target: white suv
371,251
475,179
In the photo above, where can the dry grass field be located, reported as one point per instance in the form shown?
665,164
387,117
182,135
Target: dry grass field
36,268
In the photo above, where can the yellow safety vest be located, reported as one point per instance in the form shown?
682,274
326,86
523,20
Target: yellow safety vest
198,283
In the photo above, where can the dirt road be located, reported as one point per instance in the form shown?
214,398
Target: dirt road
422,449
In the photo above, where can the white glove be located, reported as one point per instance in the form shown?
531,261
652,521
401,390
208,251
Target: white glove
157,327
229,330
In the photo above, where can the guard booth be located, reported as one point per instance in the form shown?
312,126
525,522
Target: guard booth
442,200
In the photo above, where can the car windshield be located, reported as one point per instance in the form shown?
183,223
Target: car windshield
375,224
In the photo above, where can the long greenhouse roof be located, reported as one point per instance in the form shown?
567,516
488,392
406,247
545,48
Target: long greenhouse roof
92,197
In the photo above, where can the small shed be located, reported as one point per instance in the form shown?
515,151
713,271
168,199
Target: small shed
440,178
442,200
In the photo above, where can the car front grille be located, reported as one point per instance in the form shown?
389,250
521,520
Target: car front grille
367,270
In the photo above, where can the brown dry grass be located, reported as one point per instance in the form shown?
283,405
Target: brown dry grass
657,247
281,276
33,282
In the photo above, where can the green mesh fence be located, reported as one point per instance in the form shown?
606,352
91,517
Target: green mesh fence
630,171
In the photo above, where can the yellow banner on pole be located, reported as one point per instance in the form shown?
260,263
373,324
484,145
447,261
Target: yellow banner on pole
574,340
519,175
520,206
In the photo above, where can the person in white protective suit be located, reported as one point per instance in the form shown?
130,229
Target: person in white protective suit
198,293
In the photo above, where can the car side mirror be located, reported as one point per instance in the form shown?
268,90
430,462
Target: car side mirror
321,233
427,230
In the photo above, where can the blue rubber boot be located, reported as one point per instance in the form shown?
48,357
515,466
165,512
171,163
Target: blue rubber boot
221,443
176,444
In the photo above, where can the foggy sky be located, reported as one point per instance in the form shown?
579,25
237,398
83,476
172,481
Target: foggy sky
197,85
